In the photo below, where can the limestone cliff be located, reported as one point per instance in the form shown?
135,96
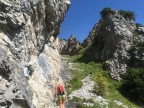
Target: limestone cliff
70,47
90,39
29,60
117,42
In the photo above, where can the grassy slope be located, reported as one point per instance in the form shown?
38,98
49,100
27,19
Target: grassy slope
109,87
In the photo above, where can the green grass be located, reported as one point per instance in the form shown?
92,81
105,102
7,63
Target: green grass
113,93
80,71
110,88
100,87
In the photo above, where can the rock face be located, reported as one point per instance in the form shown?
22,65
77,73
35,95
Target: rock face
29,59
63,46
137,49
114,37
90,39
70,47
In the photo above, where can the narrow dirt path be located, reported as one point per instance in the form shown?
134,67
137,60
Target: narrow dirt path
86,93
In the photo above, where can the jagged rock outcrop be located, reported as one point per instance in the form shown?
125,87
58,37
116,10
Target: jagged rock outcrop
70,47
29,60
63,46
90,39
114,38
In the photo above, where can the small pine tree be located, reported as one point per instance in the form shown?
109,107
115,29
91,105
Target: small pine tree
133,81
138,25
106,11
127,14
100,87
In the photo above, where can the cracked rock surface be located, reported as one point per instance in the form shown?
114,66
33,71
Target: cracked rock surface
29,59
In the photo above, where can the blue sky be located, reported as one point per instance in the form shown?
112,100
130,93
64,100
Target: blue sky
83,14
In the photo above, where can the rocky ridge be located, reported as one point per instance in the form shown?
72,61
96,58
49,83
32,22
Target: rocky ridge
117,42
90,38
70,47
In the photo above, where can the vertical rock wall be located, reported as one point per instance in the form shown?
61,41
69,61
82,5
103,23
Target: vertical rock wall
29,60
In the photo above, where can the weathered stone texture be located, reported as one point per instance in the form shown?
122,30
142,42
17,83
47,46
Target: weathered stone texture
70,47
28,36
112,41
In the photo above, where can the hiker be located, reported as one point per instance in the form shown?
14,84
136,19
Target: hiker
60,94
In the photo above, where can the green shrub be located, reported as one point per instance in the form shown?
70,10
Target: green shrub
75,84
107,11
127,14
100,87
76,99
138,25
133,81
